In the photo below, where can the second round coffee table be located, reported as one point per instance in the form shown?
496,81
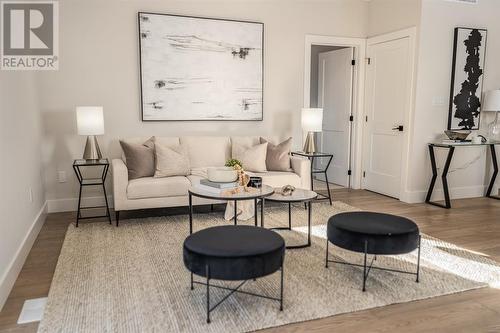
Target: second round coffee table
254,194
299,195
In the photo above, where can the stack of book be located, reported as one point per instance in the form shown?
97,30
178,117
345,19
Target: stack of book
216,187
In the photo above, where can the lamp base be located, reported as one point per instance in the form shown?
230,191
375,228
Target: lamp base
92,151
309,146
494,130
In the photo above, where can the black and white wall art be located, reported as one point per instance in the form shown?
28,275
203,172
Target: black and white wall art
200,68
469,49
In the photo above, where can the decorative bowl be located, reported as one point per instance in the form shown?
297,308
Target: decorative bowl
457,135
222,174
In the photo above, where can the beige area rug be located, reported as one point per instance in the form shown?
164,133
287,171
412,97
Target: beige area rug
132,278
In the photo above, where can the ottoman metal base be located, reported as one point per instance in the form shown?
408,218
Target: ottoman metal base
368,268
233,290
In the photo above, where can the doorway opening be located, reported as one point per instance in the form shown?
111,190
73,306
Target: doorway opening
333,81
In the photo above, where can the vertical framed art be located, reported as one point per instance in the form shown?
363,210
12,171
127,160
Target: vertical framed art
469,49
195,68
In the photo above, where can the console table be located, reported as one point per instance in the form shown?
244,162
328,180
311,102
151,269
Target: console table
451,149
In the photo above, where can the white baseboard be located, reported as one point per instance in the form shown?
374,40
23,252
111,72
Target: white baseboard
438,194
71,204
9,278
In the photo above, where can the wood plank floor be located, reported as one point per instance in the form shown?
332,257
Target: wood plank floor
471,223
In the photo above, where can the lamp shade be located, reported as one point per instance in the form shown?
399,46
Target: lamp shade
90,120
491,101
312,120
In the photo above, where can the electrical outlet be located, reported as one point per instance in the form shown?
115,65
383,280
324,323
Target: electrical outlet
30,195
61,176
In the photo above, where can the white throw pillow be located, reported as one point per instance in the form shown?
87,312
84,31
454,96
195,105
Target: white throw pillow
252,158
171,161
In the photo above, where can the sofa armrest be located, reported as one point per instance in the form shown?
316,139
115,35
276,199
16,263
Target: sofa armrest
302,167
120,183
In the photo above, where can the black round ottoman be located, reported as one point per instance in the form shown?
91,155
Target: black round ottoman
373,233
234,253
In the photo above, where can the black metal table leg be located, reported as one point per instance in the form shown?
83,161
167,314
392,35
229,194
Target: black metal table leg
326,261
207,269
262,203
309,216
326,179
444,175
235,212
190,213
255,210
289,227
365,274
418,257
494,175
281,291
79,206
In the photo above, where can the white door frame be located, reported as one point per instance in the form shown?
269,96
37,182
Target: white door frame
411,34
359,45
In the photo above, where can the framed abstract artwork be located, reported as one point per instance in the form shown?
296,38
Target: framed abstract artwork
195,68
469,48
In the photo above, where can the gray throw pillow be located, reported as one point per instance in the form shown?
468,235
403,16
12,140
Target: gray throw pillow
140,158
278,156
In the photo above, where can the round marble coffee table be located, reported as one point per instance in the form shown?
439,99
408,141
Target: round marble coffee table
253,194
299,195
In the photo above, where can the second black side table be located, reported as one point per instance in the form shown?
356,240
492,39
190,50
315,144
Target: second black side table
312,157
77,164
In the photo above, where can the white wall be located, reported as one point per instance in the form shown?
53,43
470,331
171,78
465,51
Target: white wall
439,18
99,66
390,15
20,170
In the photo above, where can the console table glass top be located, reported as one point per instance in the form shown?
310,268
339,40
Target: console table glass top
463,144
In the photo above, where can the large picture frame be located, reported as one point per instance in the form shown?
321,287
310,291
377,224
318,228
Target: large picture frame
469,50
198,68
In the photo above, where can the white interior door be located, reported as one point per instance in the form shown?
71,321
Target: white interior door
387,105
335,97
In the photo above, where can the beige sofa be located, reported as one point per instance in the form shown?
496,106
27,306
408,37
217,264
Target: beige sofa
204,152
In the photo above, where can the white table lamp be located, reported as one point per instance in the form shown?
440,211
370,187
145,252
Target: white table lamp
90,122
491,103
312,121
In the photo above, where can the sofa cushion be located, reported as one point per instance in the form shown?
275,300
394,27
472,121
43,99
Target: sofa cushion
278,178
207,151
150,187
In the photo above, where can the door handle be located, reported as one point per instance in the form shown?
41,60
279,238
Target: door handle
398,128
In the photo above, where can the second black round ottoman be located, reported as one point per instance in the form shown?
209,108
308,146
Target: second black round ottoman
234,253
373,233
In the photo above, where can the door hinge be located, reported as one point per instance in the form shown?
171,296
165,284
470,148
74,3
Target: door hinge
369,60
353,62
349,172
364,174
351,118
366,118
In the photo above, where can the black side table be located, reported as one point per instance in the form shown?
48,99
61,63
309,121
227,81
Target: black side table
104,163
312,157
